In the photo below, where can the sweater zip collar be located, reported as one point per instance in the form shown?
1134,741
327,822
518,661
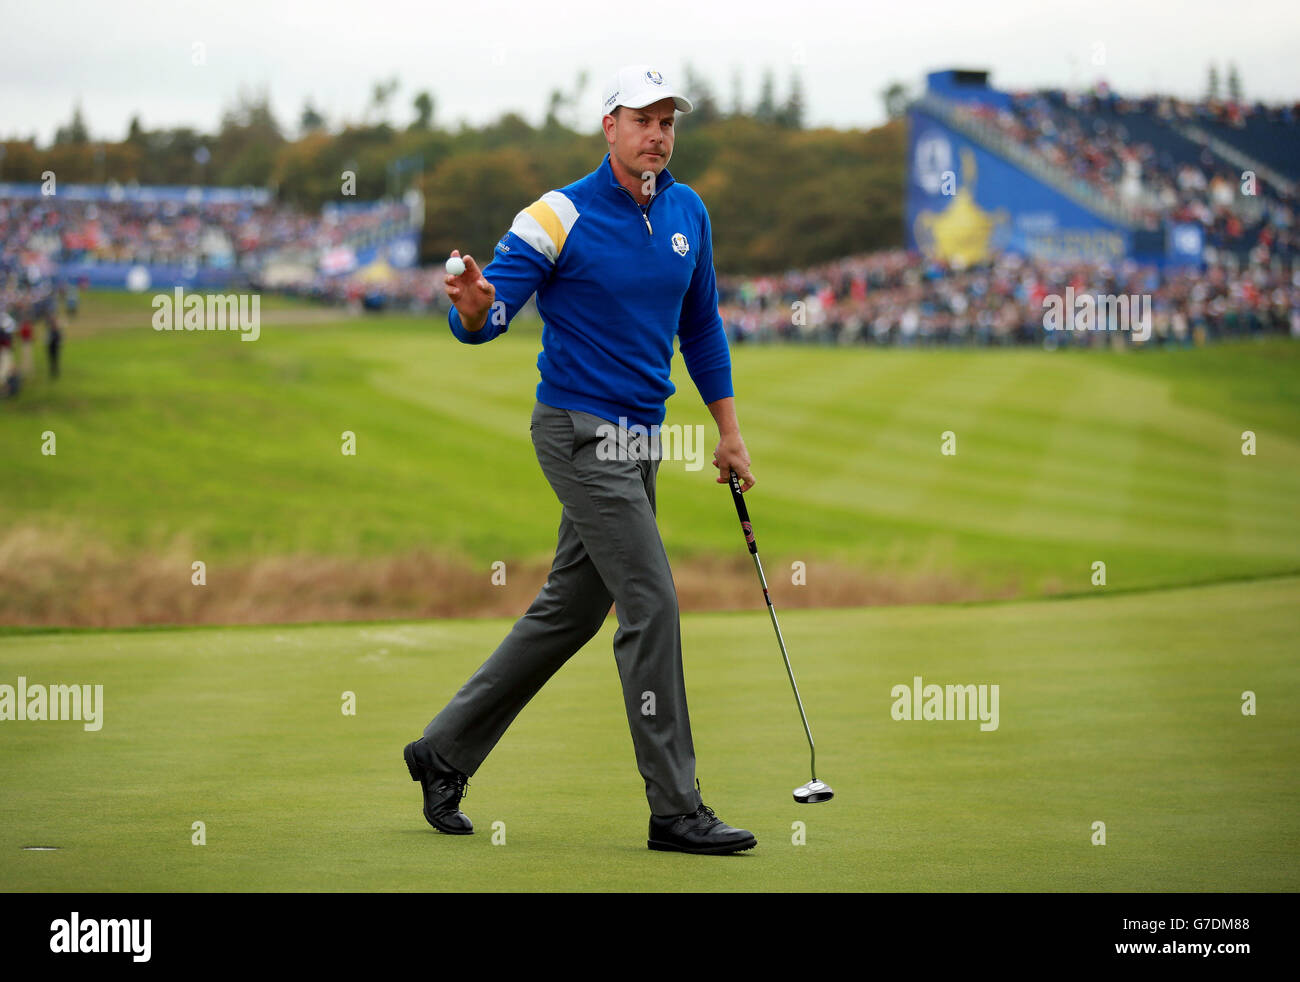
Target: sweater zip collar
664,181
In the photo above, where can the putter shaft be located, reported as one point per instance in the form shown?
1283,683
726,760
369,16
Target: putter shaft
748,528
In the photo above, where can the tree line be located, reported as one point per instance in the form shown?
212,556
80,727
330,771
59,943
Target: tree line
779,195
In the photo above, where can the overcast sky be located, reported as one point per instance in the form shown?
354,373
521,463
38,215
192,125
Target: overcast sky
480,59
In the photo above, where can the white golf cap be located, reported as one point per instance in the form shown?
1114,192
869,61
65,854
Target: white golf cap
638,86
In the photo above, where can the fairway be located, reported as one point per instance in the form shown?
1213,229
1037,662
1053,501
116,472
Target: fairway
176,447
1117,709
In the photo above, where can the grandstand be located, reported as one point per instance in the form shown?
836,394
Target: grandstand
1013,197
1096,176
142,238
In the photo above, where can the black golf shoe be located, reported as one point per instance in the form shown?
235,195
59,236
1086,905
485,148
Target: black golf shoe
700,832
443,785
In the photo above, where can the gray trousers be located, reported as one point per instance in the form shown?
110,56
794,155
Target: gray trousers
609,550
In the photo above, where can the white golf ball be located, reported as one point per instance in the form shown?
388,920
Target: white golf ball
455,266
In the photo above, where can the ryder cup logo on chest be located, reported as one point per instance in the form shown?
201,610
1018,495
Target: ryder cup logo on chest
680,245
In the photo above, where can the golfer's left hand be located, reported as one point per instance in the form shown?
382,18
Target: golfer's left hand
729,455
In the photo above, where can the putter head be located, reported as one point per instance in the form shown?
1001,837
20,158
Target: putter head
813,792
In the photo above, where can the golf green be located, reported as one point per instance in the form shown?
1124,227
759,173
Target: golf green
1121,709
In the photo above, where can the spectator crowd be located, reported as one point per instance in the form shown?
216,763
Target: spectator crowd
56,230
900,298
1135,153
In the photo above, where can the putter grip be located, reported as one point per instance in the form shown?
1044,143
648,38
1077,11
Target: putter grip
743,512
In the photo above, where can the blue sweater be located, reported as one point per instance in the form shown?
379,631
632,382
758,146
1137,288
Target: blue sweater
614,284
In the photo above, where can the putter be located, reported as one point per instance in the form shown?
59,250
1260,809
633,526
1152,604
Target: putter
814,791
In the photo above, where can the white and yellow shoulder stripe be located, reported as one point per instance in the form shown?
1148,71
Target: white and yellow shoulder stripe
545,224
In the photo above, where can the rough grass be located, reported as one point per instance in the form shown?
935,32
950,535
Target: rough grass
38,572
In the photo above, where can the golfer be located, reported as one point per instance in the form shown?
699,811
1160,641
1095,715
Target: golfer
621,261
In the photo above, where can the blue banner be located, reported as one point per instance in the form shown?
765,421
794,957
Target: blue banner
1185,244
142,193
138,277
966,204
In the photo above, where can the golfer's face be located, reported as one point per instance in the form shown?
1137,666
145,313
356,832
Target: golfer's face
643,138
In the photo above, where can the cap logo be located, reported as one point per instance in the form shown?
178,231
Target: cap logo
655,77
610,101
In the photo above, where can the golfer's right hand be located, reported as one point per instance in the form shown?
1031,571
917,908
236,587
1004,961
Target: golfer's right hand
470,293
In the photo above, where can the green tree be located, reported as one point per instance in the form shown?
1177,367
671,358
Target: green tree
75,132
21,161
423,104
246,144
737,96
700,92
381,93
309,120
896,98
472,199
790,115
765,110
554,108
564,109
169,155
309,171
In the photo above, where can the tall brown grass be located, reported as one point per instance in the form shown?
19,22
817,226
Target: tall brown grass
54,578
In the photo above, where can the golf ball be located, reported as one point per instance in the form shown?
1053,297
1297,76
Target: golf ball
455,266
